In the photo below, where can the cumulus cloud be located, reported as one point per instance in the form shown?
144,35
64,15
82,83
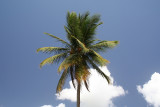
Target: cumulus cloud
100,95
47,106
60,105
151,90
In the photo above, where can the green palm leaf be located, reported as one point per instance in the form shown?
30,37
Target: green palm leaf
97,58
59,39
72,73
62,81
52,49
92,41
86,85
100,71
67,30
68,62
104,44
52,59
84,49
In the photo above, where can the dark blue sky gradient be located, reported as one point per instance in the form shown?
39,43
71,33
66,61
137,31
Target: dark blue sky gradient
135,23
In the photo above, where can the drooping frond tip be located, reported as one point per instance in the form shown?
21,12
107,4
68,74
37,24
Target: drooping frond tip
62,81
112,44
52,59
86,85
99,71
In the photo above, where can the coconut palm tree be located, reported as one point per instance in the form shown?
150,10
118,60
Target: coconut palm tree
80,52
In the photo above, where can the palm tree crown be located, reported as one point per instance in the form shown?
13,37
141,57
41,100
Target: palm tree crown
80,51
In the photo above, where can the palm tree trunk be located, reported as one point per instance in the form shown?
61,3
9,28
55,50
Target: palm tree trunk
78,94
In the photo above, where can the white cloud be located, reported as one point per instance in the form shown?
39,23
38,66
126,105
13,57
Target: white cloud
61,105
100,95
47,106
151,90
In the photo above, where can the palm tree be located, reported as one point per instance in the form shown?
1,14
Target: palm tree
80,52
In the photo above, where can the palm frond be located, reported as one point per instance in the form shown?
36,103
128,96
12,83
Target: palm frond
84,67
89,27
78,73
81,72
104,45
62,81
52,59
85,77
99,24
69,33
52,49
94,19
97,58
73,24
59,39
68,62
86,85
100,71
89,43
84,16
84,49
72,74
67,30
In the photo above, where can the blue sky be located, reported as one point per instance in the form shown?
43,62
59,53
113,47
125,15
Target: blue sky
135,23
